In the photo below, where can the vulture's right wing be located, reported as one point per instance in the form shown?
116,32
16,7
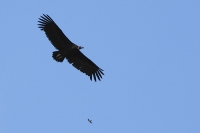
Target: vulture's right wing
85,65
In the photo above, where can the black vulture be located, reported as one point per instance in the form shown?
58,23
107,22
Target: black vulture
67,49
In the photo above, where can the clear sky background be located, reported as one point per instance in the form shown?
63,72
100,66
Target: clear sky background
148,49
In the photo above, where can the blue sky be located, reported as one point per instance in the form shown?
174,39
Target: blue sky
149,50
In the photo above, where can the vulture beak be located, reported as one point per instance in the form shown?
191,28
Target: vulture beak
80,47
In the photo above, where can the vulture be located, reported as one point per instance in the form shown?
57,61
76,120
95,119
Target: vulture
67,49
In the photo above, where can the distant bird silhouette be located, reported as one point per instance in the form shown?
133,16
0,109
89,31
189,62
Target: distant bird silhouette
67,49
90,121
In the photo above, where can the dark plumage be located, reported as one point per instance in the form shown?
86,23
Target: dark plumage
67,49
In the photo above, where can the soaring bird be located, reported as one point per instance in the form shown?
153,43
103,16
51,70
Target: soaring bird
90,121
67,49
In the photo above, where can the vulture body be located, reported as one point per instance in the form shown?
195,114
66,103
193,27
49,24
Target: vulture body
67,49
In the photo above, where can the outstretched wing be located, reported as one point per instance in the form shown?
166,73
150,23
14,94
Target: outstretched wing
85,65
53,32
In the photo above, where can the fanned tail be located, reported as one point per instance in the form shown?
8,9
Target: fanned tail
57,56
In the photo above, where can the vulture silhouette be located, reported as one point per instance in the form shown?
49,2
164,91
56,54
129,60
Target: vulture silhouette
67,49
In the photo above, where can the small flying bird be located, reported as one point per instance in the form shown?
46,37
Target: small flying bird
90,121
68,50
